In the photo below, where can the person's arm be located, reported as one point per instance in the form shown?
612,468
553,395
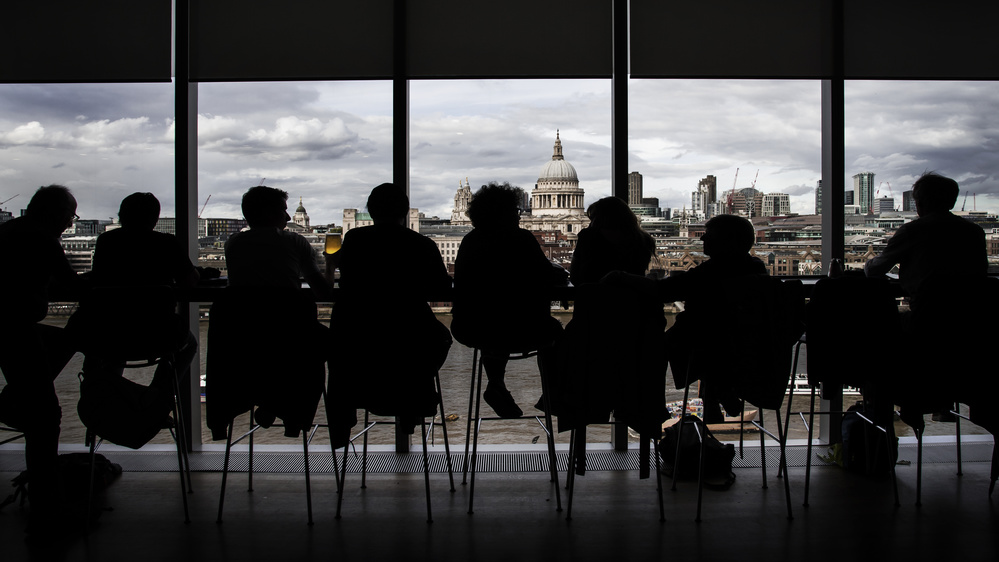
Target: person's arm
898,246
310,271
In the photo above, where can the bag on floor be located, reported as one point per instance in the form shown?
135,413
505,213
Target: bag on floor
865,448
717,456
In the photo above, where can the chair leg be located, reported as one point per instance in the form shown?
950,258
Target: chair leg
763,449
790,394
249,470
659,480
343,481
957,436
994,473
742,425
447,447
92,440
679,435
364,455
782,438
892,458
426,469
468,418
919,466
225,471
700,470
181,443
808,447
570,476
550,430
475,448
329,429
179,419
308,480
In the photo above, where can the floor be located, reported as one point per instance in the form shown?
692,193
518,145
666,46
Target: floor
614,514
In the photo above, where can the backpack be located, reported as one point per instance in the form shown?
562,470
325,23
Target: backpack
74,475
718,457
864,448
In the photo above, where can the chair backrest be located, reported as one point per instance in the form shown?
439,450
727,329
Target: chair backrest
130,323
853,331
265,348
747,338
611,359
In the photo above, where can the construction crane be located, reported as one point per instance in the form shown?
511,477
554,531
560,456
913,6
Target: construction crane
205,205
965,202
8,199
731,194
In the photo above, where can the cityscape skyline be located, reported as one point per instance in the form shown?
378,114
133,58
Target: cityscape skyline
330,142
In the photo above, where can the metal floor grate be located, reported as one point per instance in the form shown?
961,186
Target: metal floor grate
288,461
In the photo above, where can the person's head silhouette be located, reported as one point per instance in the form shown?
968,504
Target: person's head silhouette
388,204
612,213
53,207
727,236
495,206
934,193
266,207
140,211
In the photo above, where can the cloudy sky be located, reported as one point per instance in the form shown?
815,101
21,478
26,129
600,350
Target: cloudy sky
330,142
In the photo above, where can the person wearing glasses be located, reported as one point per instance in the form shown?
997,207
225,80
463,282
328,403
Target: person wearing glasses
32,354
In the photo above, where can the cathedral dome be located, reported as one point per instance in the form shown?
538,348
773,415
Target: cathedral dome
558,169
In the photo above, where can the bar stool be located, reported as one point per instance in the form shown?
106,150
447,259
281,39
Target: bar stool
425,436
475,395
135,327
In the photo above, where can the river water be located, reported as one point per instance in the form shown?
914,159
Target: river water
521,378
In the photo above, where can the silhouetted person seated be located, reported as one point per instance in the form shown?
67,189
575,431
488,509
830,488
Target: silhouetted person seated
727,242
501,282
32,354
135,255
387,344
614,241
266,346
942,264
609,355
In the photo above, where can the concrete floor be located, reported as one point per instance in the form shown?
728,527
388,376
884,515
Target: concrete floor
615,517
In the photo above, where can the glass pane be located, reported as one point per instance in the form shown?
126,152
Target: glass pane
471,132
702,148
325,143
103,141
896,131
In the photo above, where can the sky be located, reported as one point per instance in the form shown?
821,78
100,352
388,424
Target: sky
329,143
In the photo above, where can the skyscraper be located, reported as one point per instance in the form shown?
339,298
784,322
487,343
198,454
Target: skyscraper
863,189
710,184
818,197
635,190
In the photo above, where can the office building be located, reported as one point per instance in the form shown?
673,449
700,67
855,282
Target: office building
635,190
863,190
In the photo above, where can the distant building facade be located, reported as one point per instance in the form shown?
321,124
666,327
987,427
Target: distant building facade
557,200
863,189
635,189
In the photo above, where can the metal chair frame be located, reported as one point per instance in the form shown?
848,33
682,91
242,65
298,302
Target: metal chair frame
254,427
179,435
570,477
18,432
475,395
425,436
780,438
